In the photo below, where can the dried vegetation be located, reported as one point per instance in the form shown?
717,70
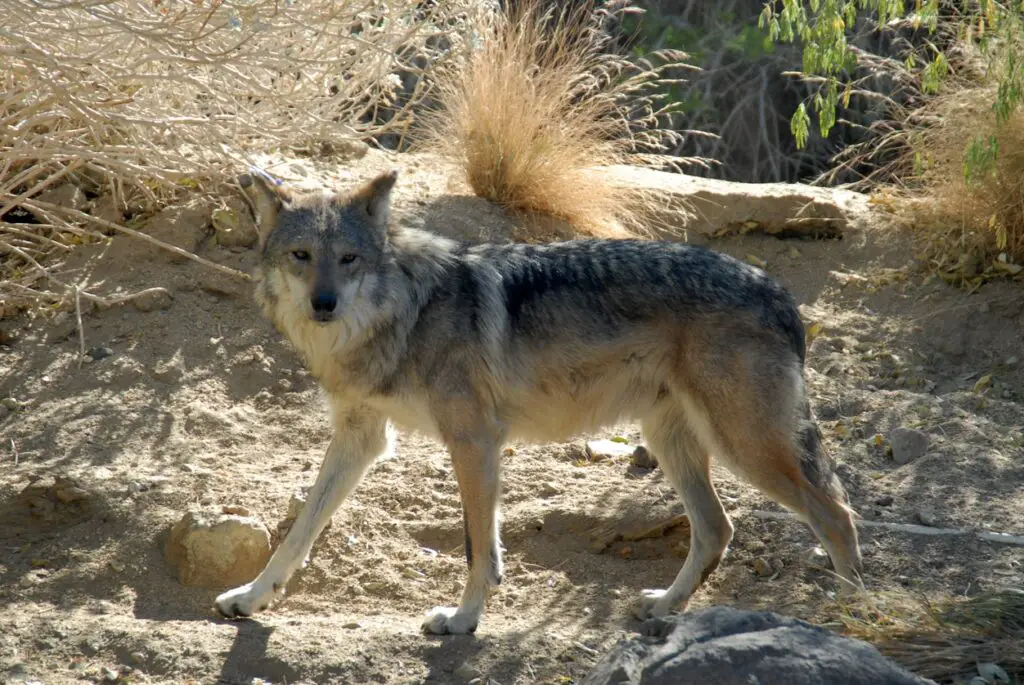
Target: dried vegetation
110,109
541,99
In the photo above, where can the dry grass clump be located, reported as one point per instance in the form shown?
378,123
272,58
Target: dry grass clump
945,639
539,101
137,101
972,226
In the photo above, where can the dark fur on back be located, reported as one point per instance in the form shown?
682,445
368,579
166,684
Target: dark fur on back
627,279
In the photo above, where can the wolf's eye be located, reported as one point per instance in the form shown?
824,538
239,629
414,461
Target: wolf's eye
300,255
347,259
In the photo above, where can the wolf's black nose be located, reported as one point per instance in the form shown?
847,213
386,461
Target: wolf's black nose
324,303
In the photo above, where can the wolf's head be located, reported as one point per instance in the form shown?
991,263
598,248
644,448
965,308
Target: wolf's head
322,254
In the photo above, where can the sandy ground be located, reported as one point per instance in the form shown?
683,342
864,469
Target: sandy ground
202,402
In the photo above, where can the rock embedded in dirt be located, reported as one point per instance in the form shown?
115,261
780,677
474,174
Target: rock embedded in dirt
709,206
763,567
599,450
106,209
729,646
907,444
153,300
817,556
214,549
233,225
184,227
99,352
925,516
885,501
56,500
466,673
66,195
169,370
642,458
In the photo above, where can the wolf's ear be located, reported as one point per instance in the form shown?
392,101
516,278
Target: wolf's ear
375,199
268,199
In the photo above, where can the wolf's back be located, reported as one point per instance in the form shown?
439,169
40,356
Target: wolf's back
617,280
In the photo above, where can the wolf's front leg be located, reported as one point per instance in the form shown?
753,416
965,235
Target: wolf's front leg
360,436
477,469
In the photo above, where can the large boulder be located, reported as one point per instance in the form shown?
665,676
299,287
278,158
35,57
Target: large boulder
728,646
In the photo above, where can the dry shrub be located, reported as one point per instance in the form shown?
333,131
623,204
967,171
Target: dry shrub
542,99
141,100
943,639
972,229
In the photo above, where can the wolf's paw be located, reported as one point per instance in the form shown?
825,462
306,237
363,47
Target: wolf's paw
649,605
243,601
657,604
448,621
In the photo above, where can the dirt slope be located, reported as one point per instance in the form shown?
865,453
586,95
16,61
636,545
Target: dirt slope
202,402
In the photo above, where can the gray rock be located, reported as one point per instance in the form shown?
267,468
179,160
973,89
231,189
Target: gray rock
729,646
643,459
99,352
908,444
925,516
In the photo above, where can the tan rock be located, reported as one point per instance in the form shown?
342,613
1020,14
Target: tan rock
66,195
211,548
708,206
233,225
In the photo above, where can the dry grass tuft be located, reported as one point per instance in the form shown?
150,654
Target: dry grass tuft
140,101
540,101
972,230
944,639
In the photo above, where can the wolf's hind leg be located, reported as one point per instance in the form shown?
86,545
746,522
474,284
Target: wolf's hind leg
360,437
476,464
686,464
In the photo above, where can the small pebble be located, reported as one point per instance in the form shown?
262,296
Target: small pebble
467,672
10,404
763,567
156,300
98,353
925,517
549,489
908,444
109,675
818,557
642,458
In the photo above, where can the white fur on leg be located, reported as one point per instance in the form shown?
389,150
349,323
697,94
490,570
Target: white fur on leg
360,436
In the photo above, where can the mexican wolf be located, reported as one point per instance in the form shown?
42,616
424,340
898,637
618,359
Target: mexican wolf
479,345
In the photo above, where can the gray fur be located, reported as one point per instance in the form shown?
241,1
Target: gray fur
477,345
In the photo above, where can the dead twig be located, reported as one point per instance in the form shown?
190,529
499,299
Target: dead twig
909,528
